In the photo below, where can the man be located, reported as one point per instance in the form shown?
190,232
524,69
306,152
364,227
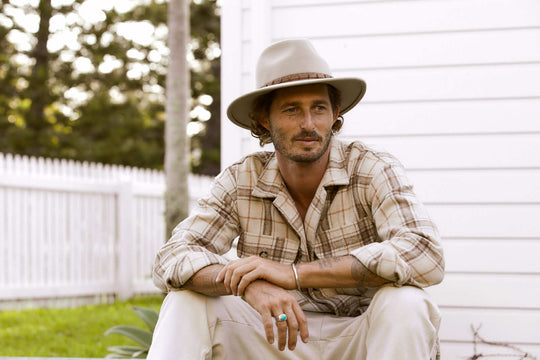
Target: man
333,245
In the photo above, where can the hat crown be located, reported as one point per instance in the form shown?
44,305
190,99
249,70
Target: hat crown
293,63
286,58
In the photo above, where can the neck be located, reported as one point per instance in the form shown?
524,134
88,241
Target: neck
303,179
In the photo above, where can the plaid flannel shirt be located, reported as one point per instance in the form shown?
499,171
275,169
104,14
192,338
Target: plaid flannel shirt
364,206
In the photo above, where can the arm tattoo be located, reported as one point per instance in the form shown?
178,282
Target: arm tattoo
204,282
364,277
327,263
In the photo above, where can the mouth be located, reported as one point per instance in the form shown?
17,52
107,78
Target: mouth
310,137
306,140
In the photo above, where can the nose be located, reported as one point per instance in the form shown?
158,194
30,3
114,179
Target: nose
307,121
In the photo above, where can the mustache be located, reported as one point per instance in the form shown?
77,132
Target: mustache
307,134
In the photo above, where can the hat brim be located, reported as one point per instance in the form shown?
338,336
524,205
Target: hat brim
352,90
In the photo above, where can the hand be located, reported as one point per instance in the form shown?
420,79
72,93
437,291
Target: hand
238,274
270,301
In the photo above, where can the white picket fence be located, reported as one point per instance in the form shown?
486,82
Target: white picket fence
70,229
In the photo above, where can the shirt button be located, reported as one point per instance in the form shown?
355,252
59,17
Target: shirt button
263,254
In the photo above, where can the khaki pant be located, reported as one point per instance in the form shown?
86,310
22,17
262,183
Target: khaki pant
400,323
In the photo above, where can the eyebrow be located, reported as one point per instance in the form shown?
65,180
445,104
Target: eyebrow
296,103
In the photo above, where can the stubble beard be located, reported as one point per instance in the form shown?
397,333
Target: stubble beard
285,146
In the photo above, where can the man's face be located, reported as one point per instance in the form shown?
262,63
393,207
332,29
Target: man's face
300,122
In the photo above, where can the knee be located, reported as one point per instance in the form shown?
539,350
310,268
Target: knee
409,304
184,296
182,300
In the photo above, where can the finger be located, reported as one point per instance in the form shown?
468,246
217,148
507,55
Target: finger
281,332
246,280
292,324
221,275
268,323
227,278
237,275
302,322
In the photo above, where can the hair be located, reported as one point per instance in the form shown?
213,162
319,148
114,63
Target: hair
261,109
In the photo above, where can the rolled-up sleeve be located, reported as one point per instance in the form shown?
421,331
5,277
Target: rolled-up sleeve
201,239
409,250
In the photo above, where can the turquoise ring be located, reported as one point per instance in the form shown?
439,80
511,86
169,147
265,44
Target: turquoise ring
281,317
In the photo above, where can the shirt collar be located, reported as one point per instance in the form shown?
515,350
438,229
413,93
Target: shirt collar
270,183
336,174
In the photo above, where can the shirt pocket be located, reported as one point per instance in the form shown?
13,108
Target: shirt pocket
274,248
341,240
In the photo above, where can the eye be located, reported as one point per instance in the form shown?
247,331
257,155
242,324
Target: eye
290,110
320,108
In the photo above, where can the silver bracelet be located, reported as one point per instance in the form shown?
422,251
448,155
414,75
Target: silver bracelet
296,277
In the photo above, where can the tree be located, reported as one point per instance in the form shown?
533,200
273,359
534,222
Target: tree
39,96
97,92
205,82
178,86
83,90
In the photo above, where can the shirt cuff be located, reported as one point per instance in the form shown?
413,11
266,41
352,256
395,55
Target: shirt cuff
384,261
176,276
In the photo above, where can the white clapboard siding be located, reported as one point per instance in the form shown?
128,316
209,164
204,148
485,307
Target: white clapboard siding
452,92
462,151
452,83
357,18
508,116
499,255
487,220
464,350
524,329
71,229
477,186
433,49
479,290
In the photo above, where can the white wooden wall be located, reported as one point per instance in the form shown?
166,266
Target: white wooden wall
453,90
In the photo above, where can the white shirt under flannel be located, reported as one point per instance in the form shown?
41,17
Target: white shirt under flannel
364,206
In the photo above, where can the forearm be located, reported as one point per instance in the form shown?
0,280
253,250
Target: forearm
204,282
337,272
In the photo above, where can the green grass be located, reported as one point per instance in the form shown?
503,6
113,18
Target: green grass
76,332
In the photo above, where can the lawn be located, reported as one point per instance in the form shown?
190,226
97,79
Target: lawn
76,332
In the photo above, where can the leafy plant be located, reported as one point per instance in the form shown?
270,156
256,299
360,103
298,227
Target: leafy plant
140,336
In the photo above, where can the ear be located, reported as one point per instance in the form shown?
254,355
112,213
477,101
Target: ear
265,122
336,114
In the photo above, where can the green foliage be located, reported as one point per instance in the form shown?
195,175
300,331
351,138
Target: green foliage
74,332
100,95
140,336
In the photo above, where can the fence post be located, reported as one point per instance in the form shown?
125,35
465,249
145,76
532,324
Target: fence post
125,247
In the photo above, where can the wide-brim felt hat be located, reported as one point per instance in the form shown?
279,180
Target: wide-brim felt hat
293,63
